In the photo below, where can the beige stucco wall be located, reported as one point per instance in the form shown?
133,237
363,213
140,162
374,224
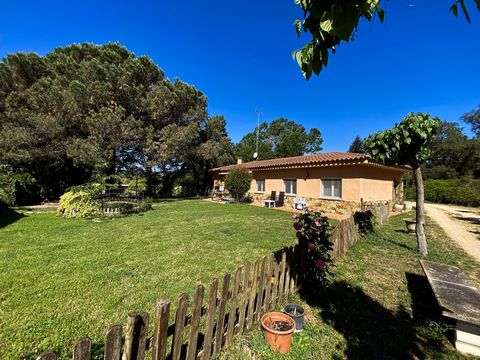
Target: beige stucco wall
358,181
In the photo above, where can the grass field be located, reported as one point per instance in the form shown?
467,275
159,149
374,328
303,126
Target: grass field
378,306
62,279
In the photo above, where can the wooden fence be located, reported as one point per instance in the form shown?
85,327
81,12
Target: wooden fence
381,209
256,288
343,236
242,299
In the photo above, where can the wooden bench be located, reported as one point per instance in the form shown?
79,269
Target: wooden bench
459,300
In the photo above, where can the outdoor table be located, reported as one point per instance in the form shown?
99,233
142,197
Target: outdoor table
269,202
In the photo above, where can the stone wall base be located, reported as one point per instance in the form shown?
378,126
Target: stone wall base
321,205
341,207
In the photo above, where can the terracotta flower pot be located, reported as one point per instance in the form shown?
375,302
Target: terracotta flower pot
279,340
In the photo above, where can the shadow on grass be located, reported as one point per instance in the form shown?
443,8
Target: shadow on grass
472,220
432,328
8,216
400,244
371,331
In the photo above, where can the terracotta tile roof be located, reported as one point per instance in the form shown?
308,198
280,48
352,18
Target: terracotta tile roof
323,158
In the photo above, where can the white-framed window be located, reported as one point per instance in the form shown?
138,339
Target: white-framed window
260,185
331,188
290,186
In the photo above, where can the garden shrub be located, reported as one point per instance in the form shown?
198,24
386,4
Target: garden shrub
464,192
129,207
237,182
366,222
123,206
145,205
313,233
18,188
77,204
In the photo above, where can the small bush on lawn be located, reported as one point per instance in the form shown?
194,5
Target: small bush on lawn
450,191
17,188
237,182
366,222
145,205
77,203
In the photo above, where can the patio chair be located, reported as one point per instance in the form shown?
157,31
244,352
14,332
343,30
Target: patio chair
273,195
300,204
281,199
272,200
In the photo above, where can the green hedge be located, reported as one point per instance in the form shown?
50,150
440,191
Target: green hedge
450,191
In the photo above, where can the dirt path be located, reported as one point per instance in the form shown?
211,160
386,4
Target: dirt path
461,224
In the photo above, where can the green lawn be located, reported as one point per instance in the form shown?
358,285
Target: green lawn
64,279
378,306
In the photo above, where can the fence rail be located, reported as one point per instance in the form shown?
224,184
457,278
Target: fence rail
254,289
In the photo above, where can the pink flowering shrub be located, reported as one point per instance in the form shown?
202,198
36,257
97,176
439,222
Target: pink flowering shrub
313,233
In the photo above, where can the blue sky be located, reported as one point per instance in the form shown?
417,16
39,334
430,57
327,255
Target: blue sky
239,54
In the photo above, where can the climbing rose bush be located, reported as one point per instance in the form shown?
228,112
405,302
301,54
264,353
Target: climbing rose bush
313,233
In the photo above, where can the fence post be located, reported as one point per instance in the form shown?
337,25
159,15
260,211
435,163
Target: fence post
179,326
232,316
159,342
47,355
281,282
82,349
212,306
261,281
253,293
245,295
221,315
195,325
268,290
113,343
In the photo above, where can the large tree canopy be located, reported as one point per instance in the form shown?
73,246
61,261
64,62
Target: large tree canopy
86,108
280,138
453,154
472,118
357,146
330,22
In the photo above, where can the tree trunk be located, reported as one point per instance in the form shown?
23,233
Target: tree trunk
420,213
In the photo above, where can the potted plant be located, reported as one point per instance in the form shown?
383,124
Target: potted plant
297,313
278,329
410,223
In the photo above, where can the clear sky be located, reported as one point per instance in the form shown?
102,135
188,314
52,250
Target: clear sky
239,54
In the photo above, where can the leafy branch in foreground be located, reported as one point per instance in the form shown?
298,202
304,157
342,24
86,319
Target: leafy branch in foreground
329,22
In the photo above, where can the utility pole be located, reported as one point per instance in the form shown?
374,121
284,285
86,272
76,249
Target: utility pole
255,156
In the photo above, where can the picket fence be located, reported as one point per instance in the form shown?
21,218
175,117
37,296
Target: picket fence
257,288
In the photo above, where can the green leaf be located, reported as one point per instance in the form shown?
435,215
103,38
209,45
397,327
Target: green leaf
298,27
465,11
326,23
307,70
478,4
317,61
324,52
380,12
298,57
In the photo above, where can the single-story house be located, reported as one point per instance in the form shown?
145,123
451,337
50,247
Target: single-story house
334,182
